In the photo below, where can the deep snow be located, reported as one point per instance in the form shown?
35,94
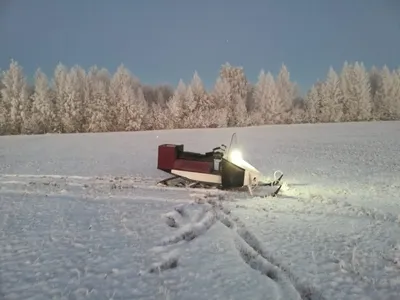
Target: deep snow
82,219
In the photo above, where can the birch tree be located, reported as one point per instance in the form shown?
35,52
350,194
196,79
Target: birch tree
73,119
199,104
313,101
397,94
4,115
287,94
260,100
387,94
331,106
356,87
220,98
60,94
267,102
97,99
176,105
139,109
15,99
43,107
239,87
127,98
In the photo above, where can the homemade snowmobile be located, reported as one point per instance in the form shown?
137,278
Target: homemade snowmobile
220,168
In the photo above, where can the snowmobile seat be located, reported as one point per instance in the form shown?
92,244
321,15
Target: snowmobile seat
209,157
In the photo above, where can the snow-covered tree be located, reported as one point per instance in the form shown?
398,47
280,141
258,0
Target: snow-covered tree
97,101
363,92
43,117
260,103
198,104
312,103
138,110
60,94
374,78
4,115
77,101
16,103
158,117
387,95
237,106
356,87
267,103
127,99
331,106
220,98
240,111
397,94
176,106
287,94
73,119
298,114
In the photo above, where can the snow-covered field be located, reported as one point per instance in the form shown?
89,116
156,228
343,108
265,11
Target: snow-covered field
81,218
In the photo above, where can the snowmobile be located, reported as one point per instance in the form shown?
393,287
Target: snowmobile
221,168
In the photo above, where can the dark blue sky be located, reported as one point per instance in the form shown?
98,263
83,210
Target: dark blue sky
163,41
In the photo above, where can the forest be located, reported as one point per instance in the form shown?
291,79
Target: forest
75,100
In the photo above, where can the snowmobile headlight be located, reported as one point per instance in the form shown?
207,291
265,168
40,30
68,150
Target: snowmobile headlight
236,156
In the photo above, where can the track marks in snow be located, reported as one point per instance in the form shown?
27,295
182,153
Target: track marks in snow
197,225
190,223
257,257
195,219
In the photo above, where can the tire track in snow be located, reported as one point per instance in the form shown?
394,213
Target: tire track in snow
189,225
114,184
192,224
96,185
257,257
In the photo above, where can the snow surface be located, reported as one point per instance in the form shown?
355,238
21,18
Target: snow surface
81,217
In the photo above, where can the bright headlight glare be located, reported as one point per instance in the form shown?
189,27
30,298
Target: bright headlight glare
236,156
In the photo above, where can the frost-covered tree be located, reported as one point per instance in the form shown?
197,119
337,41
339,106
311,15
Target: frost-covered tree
137,110
363,92
387,95
16,103
198,104
260,103
397,94
195,104
240,111
374,78
287,94
220,99
237,106
331,106
298,114
73,119
127,99
77,101
158,117
43,117
356,87
267,103
312,103
97,101
176,106
4,121
60,94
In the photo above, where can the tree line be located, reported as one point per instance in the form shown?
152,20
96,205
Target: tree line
76,100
